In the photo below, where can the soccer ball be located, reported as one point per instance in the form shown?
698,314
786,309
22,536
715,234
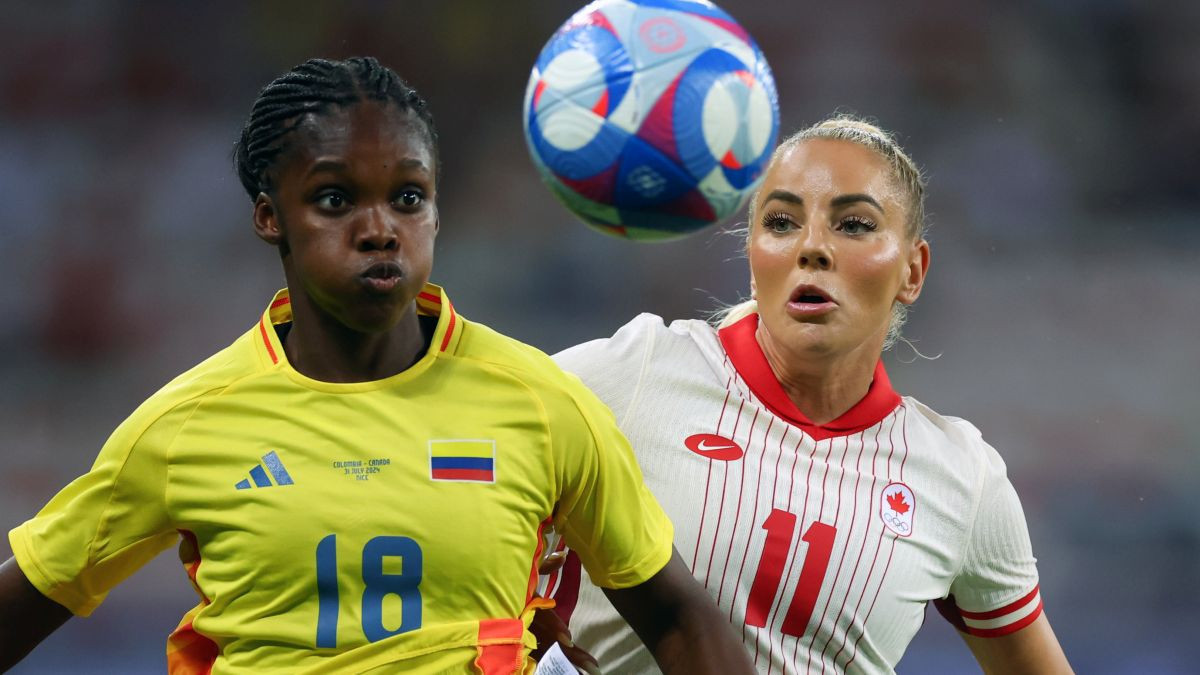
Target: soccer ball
651,119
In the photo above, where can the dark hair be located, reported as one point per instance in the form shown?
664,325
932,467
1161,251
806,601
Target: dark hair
312,87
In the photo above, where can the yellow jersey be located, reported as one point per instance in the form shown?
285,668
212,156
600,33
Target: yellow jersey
383,526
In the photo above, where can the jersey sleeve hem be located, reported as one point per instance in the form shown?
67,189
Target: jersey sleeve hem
994,623
35,572
645,568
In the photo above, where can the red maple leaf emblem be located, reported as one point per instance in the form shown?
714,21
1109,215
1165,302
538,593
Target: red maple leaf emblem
896,502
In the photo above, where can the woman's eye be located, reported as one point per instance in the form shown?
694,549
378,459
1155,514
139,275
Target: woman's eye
856,225
777,223
411,197
332,201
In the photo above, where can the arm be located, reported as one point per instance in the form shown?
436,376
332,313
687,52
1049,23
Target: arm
679,623
28,616
1033,650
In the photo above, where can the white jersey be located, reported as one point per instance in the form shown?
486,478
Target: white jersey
821,544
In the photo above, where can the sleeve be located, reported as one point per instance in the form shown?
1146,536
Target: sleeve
996,591
606,514
613,368
106,524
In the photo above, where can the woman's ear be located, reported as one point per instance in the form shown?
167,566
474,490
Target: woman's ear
914,273
266,220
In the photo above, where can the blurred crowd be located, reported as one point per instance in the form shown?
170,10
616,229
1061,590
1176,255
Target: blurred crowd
1061,139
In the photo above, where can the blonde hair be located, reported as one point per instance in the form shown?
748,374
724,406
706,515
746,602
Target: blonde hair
904,170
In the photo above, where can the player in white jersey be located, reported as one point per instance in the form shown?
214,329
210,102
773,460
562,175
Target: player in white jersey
821,509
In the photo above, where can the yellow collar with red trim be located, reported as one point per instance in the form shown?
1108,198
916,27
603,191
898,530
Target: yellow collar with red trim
431,301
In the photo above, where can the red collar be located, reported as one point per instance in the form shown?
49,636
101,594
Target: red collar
747,357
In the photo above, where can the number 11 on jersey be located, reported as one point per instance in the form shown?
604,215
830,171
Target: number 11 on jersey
780,527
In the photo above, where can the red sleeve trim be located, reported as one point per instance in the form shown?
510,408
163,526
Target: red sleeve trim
1007,609
1005,630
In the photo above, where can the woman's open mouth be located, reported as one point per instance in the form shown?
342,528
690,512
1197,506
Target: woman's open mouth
807,300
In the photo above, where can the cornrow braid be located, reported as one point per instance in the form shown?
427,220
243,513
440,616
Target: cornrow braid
312,88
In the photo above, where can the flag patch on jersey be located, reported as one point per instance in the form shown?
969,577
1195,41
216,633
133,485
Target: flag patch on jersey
465,460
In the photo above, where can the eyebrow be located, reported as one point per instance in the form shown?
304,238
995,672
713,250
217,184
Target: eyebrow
784,196
325,165
840,200
335,166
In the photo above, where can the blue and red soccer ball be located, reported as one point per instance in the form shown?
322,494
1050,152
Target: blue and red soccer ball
651,119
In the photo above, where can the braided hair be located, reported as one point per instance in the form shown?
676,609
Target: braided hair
312,88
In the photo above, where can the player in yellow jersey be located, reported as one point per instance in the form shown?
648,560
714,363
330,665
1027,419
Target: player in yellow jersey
361,481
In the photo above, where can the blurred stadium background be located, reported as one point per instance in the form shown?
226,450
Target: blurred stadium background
1062,143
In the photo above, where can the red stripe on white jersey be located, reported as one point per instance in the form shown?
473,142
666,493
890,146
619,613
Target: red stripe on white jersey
724,487
883,576
862,441
737,584
738,513
1011,607
837,569
708,481
866,537
997,622
1035,610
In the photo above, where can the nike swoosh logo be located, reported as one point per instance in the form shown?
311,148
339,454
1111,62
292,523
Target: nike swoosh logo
713,446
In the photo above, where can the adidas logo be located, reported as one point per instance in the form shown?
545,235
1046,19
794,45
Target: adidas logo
259,476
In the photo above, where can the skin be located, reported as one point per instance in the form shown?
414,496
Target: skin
1030,651
830,215
355,198
354,218
28,616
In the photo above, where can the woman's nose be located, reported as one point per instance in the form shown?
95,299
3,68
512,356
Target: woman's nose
377,232
815,251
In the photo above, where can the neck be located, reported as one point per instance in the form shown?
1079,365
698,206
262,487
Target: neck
822,386
320,347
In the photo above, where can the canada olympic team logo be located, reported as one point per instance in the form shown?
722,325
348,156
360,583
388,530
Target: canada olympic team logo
897,504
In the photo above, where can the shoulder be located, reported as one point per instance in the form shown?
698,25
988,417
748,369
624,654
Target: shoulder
509,362
955,438
211,377
646,336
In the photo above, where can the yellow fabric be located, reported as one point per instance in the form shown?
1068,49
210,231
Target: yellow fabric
430,556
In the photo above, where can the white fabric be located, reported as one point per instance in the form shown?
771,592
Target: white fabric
968,534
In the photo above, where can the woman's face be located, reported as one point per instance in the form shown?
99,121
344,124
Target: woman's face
354,211
830,251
